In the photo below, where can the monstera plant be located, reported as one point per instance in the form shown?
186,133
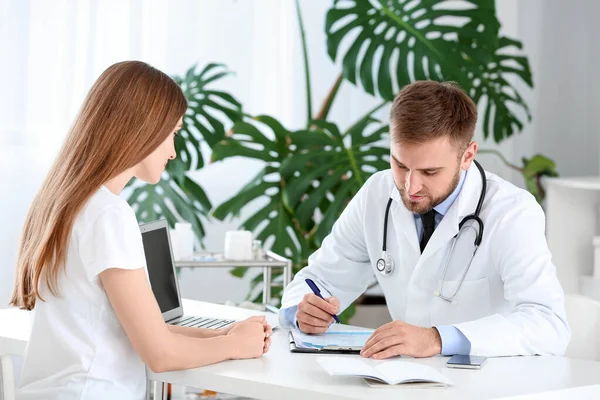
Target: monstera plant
311,172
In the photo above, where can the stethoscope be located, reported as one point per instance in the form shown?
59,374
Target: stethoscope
385,265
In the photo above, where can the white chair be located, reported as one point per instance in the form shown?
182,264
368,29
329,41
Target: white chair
7,378
583,314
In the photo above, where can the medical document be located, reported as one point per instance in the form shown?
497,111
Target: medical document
337,336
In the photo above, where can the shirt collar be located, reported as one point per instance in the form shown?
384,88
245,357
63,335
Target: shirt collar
444,206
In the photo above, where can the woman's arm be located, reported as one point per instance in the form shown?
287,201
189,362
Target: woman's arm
199,333
208,333
162,349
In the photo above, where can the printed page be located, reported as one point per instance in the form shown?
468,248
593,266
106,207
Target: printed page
348,366
346,329
397,371
353,339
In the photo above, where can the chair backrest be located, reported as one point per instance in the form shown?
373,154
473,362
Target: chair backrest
583,314
7,378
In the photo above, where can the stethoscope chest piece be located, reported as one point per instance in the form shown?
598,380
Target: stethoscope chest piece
385,265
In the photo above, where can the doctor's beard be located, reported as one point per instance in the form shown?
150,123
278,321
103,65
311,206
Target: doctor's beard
421,207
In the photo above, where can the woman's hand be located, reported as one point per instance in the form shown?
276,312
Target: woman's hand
257,318
251,337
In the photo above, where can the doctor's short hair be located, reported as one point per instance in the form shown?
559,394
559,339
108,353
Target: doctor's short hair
426,110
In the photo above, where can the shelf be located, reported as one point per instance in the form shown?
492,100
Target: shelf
270,261
586,182
216,260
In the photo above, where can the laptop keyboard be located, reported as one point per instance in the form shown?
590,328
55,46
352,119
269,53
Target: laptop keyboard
201,322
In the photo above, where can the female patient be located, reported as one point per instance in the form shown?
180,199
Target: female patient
81,262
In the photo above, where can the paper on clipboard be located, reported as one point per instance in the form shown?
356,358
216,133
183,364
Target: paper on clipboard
334,338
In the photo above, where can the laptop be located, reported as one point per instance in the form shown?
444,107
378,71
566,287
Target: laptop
163,280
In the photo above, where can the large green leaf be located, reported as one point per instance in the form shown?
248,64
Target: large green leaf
308,179
404,41
209,112
489,75
412,32
336,167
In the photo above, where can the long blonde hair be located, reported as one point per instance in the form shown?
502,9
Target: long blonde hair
129,111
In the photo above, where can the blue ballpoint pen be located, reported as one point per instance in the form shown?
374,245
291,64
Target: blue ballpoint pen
316,291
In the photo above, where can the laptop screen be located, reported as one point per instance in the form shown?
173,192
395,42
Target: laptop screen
160,268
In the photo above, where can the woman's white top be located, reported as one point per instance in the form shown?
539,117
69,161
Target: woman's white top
78,348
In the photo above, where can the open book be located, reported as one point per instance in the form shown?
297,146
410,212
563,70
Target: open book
391,372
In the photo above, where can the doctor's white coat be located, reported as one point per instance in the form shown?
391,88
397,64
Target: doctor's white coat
510,302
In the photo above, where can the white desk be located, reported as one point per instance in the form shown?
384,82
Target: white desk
14,331
283,375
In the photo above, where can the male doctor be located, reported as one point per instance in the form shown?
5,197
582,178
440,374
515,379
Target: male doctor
459,253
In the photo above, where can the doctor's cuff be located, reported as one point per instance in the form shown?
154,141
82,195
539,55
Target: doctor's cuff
453,341
289,316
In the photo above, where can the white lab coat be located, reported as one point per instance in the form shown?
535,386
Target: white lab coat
510,303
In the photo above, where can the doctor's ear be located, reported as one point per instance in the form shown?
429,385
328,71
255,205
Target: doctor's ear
468,156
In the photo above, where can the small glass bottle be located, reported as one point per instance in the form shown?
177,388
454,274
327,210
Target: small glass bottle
257,250
184,240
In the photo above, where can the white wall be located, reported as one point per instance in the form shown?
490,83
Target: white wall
562,39
259,41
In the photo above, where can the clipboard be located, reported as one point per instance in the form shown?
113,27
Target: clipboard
331,349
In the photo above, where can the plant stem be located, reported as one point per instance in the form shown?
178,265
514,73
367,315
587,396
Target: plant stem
326,106
360,121
501,156
354,166
306,67
541,191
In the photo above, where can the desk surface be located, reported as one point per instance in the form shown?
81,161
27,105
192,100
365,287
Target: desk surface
281,374
14,331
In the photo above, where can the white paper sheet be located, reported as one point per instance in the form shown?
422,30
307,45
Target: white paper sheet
392,372
334,337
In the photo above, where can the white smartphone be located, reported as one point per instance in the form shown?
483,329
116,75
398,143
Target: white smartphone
469,362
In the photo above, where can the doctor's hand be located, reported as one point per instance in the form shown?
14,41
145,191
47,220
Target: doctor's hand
399,338
315,314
